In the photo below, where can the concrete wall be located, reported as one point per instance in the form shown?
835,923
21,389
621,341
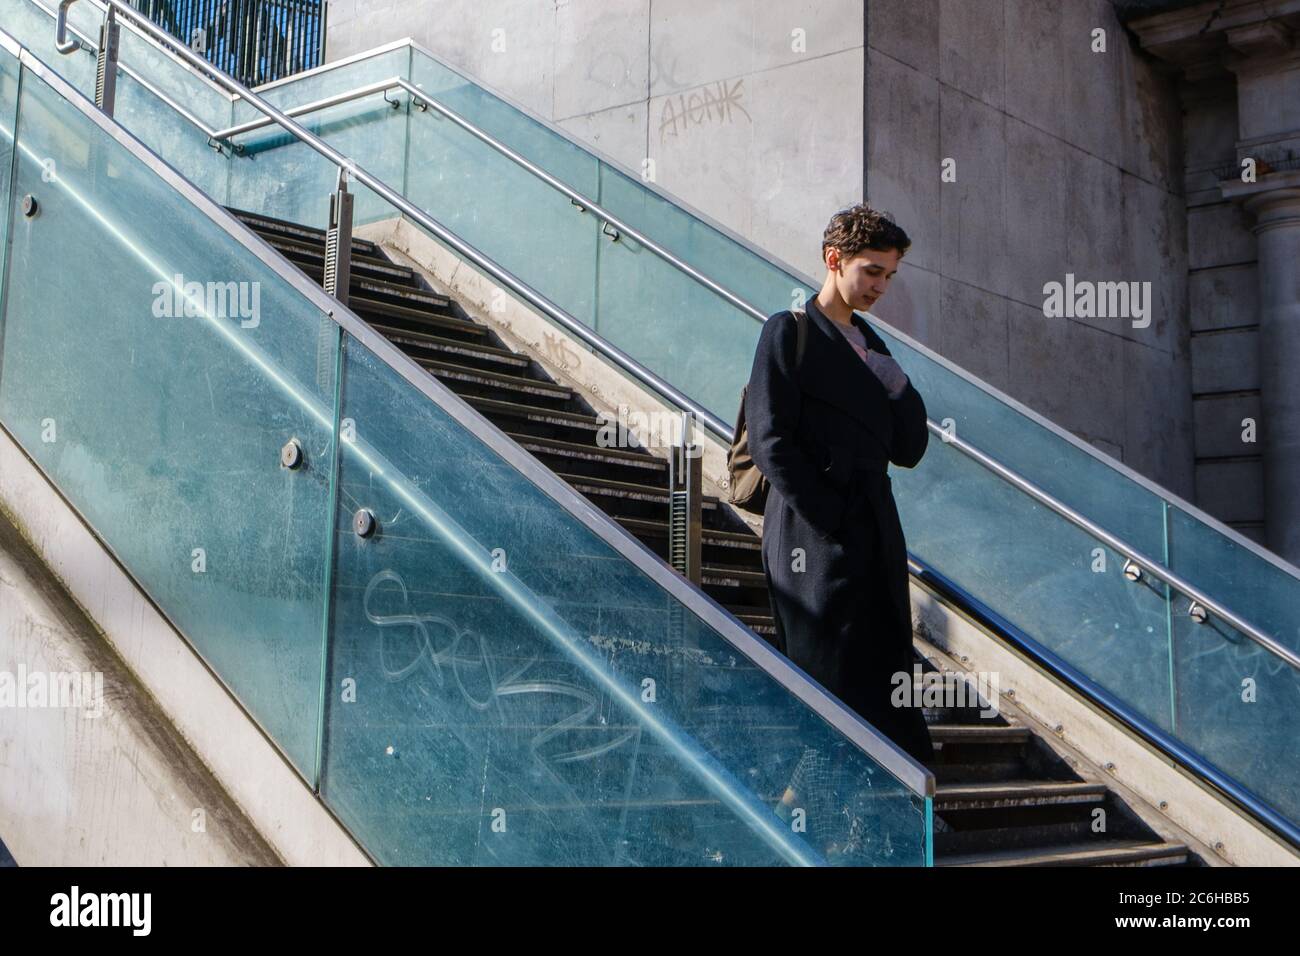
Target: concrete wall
123,788
1066,161
750,110
107,782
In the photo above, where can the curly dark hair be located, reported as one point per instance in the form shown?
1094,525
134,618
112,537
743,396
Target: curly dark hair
861,227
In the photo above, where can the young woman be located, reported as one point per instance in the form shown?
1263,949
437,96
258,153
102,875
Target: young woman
824,434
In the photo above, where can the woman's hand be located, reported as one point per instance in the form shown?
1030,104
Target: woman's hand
889,372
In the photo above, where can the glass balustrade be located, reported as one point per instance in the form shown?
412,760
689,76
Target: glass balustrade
1055,580
481,676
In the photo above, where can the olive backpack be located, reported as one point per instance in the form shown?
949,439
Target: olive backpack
748,486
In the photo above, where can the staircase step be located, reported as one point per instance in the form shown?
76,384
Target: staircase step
268,225
1112,853
521,415
1060,829
489,357
978,734
367,306
619,492
632,464
726,548
980,753
311,259
723,576
1015,793
969,716
741,541
416,320
763,624
406,295
516,387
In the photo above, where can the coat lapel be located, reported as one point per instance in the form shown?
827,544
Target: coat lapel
838,375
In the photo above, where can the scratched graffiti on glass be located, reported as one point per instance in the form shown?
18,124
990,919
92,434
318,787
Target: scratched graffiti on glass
527,695
494,686
542,747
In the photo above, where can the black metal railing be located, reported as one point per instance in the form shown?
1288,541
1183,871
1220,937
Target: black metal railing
255,41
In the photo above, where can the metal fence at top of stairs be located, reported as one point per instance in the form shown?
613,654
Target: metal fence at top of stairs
255,41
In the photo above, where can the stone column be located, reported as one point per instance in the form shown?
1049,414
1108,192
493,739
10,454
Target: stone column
1274,201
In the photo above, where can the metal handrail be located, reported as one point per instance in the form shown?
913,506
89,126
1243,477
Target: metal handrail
583,202
1174,580
61,41
1051,662
464,249
79,41
379,86
88,44
621,358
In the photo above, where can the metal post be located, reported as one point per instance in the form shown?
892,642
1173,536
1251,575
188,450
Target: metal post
685,499
684,523
322,23
106,62
338,241
338,276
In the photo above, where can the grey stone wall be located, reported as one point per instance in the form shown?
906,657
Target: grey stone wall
750,110
1236,64
1067,161
1223,314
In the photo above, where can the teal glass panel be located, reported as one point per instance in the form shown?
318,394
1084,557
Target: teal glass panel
494,204
34,28
1238,707
167,132
154,369
1238,702
163,129
1062,469
719,256
1042,573
1265,592
505,688
9,71
150,120
673,324
278,176
532,140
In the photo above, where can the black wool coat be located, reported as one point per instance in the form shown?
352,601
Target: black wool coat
833,546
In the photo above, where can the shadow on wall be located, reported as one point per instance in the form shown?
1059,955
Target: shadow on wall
6,859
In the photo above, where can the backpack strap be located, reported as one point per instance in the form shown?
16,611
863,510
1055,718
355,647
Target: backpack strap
800,336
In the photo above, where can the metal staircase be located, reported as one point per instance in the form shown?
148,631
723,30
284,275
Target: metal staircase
1004,797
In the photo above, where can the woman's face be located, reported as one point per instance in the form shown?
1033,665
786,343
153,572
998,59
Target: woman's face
863,279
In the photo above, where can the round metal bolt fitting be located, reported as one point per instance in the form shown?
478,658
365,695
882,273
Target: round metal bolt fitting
364,523
291,454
